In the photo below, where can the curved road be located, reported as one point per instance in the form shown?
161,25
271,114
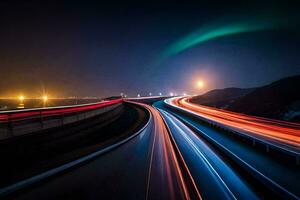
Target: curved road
285,134
145,167
273,173
166,160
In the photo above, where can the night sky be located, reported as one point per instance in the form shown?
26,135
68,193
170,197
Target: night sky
103,49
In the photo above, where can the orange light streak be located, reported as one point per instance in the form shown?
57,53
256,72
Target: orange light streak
162,149
287,133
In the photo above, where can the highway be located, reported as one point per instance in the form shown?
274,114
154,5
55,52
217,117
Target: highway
261,165
215,179
285,134
173,157
138,169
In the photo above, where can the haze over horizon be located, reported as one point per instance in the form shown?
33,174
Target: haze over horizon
103,49
150,100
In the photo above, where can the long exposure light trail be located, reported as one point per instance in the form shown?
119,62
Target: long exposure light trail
18,114
218,175
168,170
273,130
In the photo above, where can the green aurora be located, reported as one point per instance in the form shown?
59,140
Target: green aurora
222,28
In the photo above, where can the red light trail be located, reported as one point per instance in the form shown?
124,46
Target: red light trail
170,172
19,114
286,133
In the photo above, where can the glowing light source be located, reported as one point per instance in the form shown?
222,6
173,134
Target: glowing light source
21,98
200,84
45,98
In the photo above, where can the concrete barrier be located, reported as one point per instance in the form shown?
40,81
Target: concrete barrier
12,127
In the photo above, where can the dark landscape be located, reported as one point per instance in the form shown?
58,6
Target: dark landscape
278,100
150,100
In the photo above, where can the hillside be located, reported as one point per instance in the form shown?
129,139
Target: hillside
221,98
278,100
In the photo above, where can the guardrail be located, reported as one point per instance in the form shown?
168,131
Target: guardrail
269,183
269,145
20,122
68,166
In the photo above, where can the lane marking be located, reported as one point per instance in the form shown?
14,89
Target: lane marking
199,153
285,191
184,163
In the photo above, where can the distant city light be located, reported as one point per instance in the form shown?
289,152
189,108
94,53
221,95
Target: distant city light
138,95
171,94
184,94
160,94
150,94
45,98
21,98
